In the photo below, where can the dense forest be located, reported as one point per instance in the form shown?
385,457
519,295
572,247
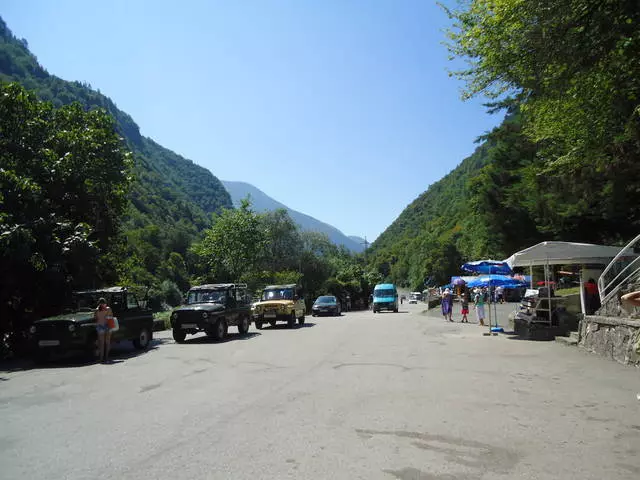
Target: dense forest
563,165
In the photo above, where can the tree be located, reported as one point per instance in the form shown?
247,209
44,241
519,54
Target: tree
573,67
235,242
283,242
64,177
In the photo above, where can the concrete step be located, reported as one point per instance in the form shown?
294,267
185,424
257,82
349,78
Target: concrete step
574,335
568,341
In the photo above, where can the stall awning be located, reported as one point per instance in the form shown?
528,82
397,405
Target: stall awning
563,253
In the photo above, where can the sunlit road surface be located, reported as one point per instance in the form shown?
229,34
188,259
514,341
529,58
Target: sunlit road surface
362,396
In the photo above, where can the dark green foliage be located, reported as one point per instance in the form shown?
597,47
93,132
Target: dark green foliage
64,177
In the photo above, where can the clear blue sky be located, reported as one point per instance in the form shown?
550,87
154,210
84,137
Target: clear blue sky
341,109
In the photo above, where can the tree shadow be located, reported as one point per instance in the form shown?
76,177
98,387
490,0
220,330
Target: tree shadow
119,353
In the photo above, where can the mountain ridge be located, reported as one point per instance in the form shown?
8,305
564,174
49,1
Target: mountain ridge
262,202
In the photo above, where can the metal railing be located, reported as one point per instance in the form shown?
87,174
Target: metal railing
623,269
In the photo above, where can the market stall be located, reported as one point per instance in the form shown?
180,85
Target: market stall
591,258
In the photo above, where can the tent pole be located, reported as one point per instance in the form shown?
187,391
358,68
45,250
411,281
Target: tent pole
547,281
531,275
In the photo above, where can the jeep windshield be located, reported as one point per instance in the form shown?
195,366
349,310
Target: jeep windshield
205,296
277,294
387,292
85,301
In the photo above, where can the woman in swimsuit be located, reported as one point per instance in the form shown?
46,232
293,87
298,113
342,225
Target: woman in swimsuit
103,316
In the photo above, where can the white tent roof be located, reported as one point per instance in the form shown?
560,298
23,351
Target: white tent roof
563,253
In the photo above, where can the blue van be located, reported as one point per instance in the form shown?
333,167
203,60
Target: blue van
385,297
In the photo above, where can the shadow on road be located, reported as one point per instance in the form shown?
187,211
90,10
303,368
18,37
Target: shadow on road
204,339
284,326
119,353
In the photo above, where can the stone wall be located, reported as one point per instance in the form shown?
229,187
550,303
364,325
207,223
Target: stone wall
612,337
613,307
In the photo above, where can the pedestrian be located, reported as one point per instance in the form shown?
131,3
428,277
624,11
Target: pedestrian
592,296
479,301
447,305
499,294
464,302
103,317
631,299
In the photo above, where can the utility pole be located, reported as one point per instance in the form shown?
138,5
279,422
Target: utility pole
366,246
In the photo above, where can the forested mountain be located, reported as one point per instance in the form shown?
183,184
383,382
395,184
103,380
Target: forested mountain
171,197
261,202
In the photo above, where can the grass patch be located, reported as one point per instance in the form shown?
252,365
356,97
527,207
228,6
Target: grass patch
165,317
563,292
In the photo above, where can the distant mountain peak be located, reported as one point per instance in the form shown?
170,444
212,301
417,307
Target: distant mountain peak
262,202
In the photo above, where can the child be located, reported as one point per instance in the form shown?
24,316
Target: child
464,301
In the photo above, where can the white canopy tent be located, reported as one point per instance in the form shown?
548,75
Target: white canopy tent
562,253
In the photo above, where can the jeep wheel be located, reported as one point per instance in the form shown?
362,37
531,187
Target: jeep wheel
243,326
273,323
292,320
219,330
258,324
179,335
144,339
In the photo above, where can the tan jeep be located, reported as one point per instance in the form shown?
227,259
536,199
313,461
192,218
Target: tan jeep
279,303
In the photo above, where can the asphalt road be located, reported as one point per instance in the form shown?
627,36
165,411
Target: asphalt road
362,396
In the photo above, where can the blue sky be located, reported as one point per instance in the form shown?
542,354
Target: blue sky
341,109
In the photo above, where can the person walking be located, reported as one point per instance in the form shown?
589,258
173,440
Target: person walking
499,294
479,301
447,305
103,317
464,302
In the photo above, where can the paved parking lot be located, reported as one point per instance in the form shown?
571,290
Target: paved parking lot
361,396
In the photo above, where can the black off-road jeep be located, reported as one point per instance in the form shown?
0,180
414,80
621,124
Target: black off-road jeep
212,309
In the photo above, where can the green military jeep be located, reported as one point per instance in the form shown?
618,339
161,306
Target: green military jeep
212,309
75,330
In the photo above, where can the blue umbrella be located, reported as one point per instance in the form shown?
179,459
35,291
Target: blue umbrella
494,281
488,267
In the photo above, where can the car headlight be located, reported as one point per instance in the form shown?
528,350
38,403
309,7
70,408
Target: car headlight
32,329
204,315
72,327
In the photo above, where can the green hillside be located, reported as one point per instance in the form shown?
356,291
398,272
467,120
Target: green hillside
497,201
563,165
171,197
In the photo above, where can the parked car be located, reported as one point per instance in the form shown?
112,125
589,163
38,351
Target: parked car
212,309
385,297
326,305
75,330
415,297
280,303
